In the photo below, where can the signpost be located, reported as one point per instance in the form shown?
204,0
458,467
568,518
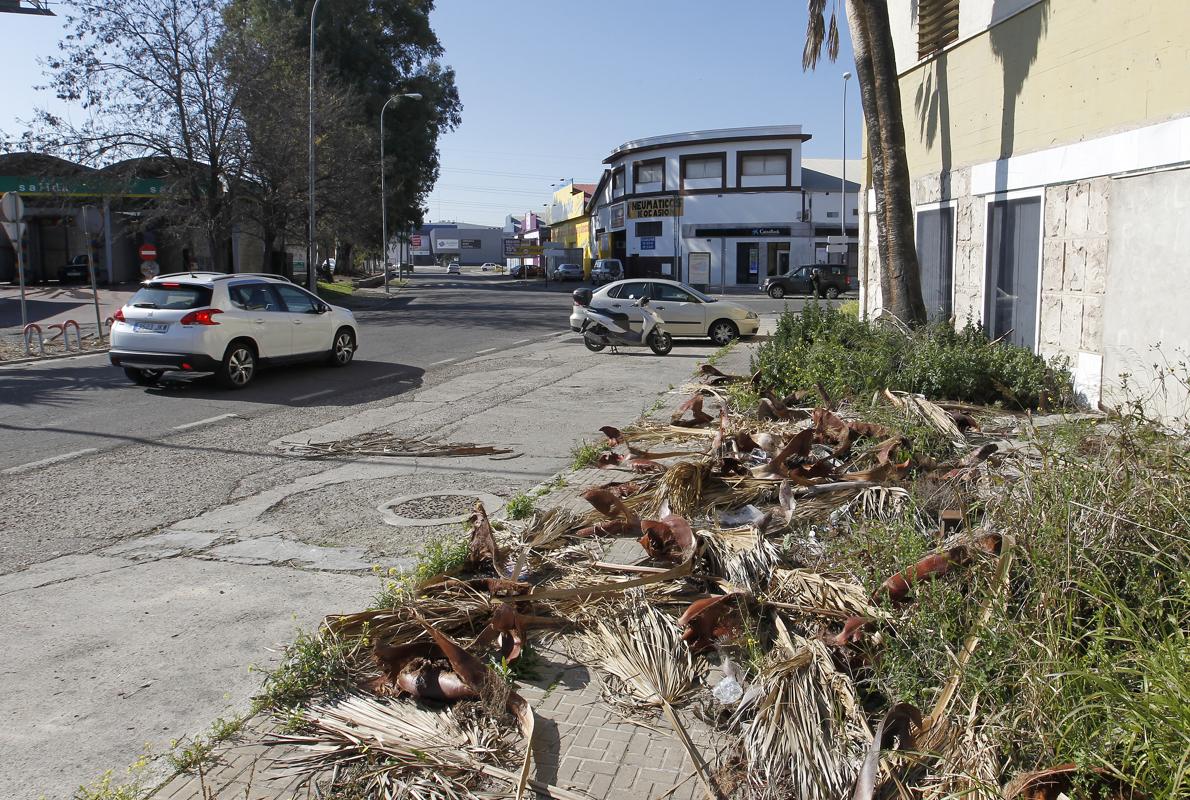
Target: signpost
92,220
12,211
148,257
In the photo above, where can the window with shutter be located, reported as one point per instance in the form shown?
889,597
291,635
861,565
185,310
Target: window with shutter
937,25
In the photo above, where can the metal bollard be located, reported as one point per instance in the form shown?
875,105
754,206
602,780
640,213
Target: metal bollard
27,332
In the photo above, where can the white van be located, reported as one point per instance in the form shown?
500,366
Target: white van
606,270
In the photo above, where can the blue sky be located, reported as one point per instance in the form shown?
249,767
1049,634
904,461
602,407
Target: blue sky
549,89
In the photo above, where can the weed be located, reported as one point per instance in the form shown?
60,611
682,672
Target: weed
519,506
585,454
717,356
851,357
555,483
526,667
106,788
311,665
187,756
850,309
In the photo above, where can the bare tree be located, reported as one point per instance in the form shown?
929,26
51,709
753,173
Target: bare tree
880,96
149,75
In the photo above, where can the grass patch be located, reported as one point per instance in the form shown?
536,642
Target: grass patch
584,454
519,506
311,665
855,358
107,787
333,290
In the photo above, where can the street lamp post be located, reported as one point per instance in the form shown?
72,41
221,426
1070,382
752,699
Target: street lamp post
312,247
383,197
843,193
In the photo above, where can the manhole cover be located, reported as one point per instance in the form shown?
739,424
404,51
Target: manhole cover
436,508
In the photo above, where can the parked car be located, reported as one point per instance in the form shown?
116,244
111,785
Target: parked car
834,280
685,311
230,325
492,267
568,272
76,271
454,268
606,270
525,271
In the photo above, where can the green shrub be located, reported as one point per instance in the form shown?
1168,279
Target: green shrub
852,357
519,506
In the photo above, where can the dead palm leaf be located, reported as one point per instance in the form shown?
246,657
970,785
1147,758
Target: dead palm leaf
815,31
801,727
814,592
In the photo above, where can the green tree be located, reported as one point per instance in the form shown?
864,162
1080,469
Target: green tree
880,96
378,48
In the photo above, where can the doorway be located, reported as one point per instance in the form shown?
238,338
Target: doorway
747,263
778,262
1010,286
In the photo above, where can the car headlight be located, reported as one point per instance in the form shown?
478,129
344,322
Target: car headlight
751,315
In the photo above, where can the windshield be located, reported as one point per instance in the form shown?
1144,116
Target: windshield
703,297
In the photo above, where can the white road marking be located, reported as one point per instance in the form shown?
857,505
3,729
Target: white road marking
489,350
387,377
523,341
45,462
444,361
207,421
312,395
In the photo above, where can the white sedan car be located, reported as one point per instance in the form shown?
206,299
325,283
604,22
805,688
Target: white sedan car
454,269
226,324
686,311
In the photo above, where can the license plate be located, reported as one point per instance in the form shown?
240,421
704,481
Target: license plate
149,327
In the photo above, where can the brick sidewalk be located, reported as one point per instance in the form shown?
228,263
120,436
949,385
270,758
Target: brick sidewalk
580,742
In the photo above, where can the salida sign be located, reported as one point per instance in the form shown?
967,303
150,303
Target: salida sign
655,207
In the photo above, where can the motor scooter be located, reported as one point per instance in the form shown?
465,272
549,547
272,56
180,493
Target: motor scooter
605,328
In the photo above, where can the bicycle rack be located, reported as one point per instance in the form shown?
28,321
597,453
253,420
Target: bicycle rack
27,333
78,335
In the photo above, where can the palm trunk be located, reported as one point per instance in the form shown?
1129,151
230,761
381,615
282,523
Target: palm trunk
880,96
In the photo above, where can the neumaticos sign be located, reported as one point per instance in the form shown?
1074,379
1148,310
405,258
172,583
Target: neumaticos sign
655,207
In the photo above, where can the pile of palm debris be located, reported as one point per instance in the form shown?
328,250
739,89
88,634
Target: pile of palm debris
731,510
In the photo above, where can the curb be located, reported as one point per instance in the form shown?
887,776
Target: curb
35,359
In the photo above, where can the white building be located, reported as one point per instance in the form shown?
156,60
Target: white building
718,207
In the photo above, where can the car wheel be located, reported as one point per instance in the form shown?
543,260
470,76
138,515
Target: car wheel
343,348
238,367
832,292
593,343
723,331
661,343
144,377
777,292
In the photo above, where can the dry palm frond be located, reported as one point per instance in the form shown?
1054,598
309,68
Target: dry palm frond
450,614
749,567
815,33
879,502
813,592
647,662
681,486
545,530
801,727
967,764
424,750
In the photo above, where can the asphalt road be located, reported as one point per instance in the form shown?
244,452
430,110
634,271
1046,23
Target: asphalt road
58,410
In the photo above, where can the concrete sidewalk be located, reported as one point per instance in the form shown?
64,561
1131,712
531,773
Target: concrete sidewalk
149,640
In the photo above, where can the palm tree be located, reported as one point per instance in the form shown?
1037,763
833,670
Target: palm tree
880,96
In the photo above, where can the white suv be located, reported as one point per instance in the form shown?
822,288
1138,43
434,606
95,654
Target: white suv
226,324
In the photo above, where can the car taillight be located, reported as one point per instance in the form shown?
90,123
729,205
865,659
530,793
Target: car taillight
119,315
203,316
848,279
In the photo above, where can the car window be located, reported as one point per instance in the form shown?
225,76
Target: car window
633,290
674,294
296,301
171,295
253,297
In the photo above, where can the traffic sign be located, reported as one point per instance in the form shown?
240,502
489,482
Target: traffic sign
836,248
837,240
12,211
148,252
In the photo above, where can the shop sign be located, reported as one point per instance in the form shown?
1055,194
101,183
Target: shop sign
655,207
446,244
648,243
472,244
618,215
700,267
734,233
510,247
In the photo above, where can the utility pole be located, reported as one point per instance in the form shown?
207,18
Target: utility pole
311,236
843,193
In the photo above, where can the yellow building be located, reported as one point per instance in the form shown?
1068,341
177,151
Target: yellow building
570,227
1048,147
